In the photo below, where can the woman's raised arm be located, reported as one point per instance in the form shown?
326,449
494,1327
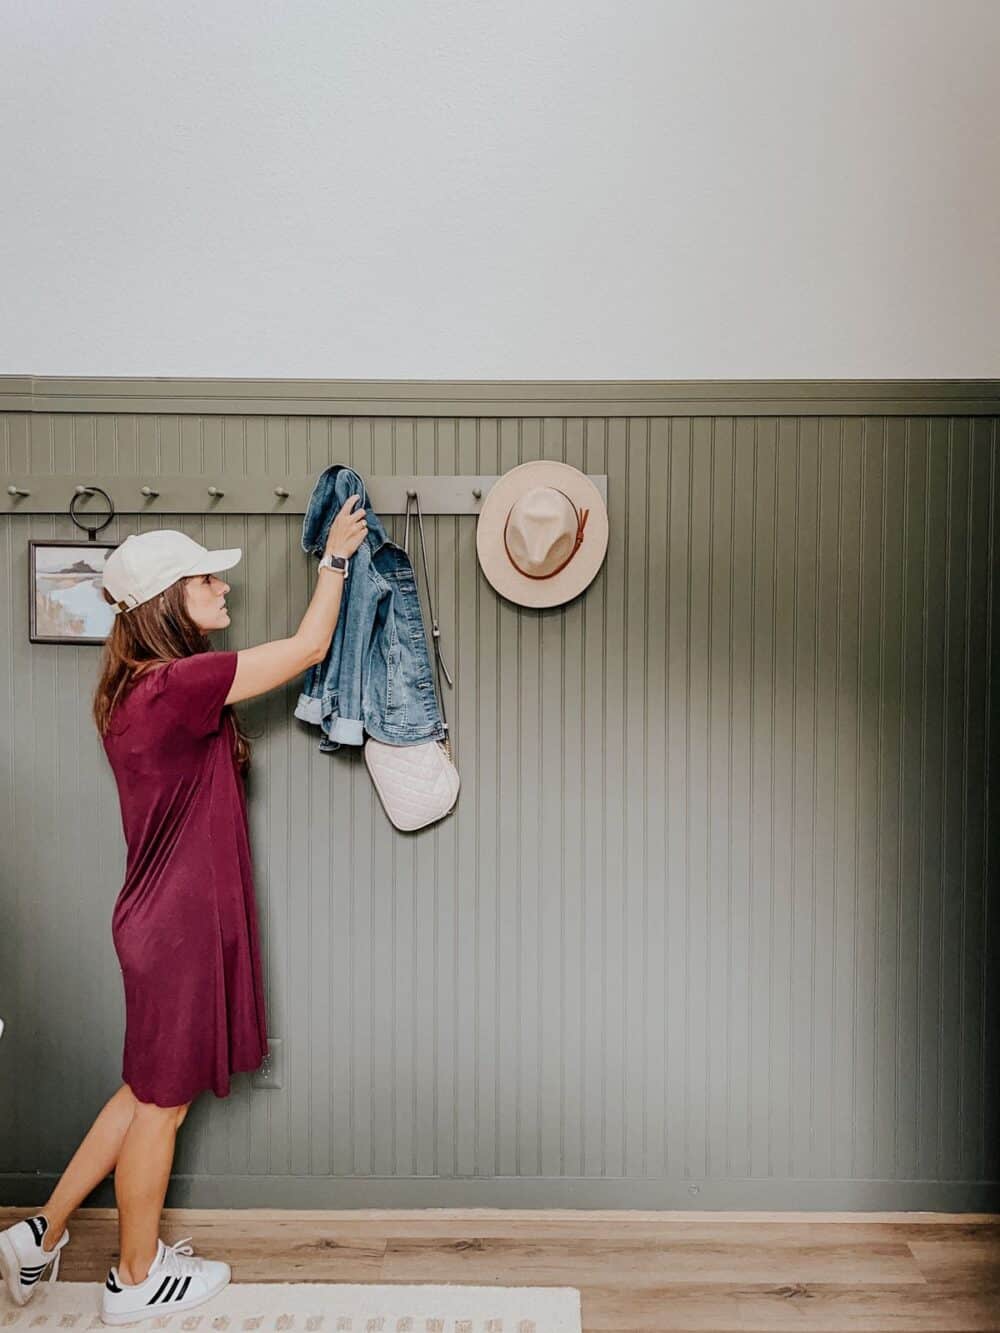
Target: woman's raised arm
268,665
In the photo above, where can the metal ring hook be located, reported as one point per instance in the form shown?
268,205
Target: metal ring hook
80,493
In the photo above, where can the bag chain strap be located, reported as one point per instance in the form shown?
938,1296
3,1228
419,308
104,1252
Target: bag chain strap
435,627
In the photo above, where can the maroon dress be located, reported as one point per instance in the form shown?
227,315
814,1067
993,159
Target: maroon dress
185,922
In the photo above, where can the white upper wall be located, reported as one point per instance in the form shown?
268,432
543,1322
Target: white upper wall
564,189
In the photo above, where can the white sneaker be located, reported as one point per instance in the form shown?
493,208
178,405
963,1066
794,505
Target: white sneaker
22,1259
172,1283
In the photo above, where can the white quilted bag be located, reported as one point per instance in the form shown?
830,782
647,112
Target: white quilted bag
417,784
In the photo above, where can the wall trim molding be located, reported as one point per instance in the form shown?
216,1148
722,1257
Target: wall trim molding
499,398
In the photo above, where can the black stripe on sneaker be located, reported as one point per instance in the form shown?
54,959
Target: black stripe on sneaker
38,1225
38,1268
159,1291
30,1281
184,1287
111,1284
170,1294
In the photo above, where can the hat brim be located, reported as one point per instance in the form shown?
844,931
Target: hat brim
215,561
581,570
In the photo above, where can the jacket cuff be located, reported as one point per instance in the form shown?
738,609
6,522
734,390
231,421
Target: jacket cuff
309,709
346,731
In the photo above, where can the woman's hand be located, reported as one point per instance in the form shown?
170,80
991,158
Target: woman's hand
348,530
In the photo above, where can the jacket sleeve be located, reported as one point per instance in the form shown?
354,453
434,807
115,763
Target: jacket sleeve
354,627
333,692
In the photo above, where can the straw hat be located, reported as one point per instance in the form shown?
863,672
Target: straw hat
542,533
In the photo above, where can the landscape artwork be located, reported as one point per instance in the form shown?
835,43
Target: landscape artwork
67,605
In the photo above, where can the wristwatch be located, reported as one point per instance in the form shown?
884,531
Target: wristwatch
338,562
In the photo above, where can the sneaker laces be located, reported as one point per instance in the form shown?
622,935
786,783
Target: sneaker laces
174,1261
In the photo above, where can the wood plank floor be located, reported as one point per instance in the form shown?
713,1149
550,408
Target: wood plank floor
649,1271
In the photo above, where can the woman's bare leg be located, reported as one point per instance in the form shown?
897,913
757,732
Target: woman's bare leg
141,1179
93,1161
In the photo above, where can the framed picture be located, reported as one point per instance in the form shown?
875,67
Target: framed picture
66,604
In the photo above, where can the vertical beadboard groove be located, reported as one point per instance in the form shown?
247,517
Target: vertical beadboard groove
563,843
664,1062
750,774
966,692
835,895
897,933
540,734
730,683
753,923
622,746
942,826
771,807
922,889
687,797
609,591
518,880
793,850
860,781
644,846
990,946
879,809
812,822
496,615
706,839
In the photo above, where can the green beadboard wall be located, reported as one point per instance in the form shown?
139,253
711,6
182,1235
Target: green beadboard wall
715,922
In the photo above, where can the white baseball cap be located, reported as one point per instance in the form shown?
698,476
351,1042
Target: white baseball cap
148,562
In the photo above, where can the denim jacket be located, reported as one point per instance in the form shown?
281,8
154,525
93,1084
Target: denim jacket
376,676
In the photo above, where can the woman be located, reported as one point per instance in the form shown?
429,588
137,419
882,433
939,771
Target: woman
184,924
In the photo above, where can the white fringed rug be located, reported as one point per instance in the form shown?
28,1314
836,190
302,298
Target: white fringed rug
319,1307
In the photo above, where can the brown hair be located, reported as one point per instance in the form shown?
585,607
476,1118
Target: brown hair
156,631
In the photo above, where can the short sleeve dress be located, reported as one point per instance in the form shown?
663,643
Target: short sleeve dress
184,924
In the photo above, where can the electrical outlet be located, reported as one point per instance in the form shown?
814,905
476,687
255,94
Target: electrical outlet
271,1073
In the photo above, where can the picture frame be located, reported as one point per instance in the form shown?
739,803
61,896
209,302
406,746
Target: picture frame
65,601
